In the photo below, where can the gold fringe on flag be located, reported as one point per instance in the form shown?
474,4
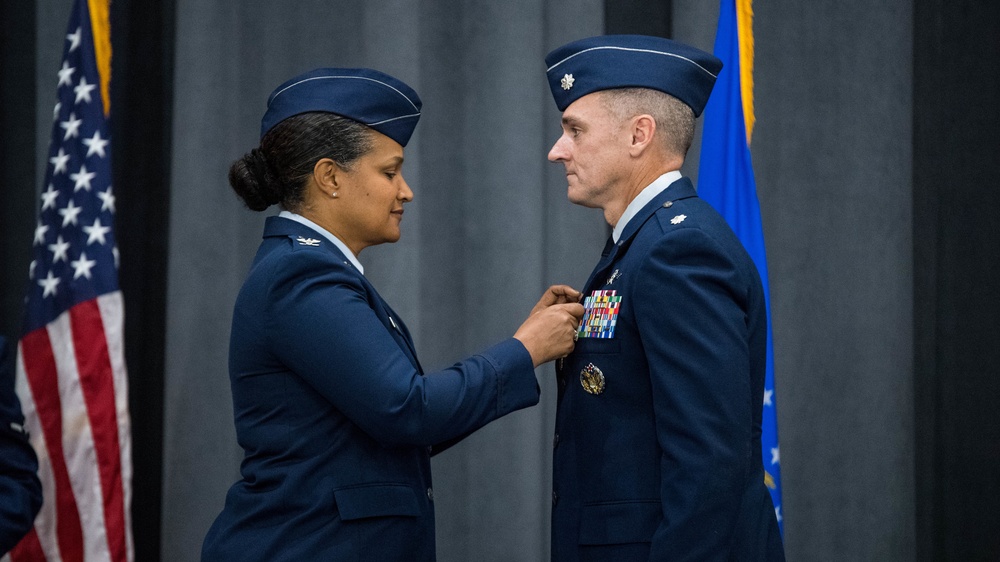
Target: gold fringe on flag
100,23
744,27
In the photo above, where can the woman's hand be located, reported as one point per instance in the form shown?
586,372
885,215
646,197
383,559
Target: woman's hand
557,294
549,331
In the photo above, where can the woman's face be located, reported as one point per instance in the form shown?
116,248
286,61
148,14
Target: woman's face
370,196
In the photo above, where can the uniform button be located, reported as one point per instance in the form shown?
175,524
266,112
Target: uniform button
562,382
668,204
555,441
430,494
555,498
430,449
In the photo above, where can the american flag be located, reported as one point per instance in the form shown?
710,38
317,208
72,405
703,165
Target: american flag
71,375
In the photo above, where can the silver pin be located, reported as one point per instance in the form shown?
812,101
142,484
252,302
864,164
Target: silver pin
615,275
567,81
678,219
307,241
668,204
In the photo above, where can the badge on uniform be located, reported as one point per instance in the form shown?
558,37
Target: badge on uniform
600,315
307,241
592,379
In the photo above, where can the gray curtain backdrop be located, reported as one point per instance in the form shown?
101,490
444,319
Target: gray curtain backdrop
490,228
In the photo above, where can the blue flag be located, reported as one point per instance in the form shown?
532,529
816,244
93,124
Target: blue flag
726,181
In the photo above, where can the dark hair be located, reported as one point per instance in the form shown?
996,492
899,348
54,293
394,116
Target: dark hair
277,171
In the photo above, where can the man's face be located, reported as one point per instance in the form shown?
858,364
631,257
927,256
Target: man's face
594,149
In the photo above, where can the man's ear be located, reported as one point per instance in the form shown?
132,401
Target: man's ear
643,128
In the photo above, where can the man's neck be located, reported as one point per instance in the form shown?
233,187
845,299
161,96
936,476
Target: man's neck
633,185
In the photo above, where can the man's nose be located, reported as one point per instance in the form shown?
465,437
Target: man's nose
558,152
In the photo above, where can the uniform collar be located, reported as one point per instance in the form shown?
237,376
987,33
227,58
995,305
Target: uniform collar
680,189
640,201
271,229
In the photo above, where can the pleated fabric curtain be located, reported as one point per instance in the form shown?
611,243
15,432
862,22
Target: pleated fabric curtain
488,229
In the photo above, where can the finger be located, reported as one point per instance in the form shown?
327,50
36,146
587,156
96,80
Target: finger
549,298
575,309
565,293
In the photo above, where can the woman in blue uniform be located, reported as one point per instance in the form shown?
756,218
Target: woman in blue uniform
335,415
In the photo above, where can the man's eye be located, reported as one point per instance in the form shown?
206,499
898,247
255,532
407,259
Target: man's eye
390,175
576,132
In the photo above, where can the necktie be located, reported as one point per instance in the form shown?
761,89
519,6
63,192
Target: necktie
607,246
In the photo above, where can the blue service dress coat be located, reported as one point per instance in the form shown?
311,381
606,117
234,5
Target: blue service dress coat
20,489
664,462
335,415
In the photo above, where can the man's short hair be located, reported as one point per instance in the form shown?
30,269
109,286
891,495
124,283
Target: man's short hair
674,119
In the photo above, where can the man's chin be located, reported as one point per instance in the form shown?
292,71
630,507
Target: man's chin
577,198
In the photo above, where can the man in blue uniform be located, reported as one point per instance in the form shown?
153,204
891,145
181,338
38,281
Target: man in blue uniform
657,445
20,490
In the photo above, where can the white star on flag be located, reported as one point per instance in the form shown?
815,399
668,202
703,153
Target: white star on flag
83,90
72,126
95,144
49,285
96,232
49,197
66,75
767,396
55,111
775,455
108,200
69,213
777,513
82,179
82,266
74,39
59,250
40,231
60,161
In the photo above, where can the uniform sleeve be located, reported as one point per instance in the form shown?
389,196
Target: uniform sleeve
692,323
324,329
19,486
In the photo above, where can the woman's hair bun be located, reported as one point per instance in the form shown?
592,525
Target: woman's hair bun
253,181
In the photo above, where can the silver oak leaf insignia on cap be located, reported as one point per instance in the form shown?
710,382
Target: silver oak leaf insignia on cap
567,81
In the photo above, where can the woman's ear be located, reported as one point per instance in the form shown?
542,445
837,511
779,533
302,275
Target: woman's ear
328,176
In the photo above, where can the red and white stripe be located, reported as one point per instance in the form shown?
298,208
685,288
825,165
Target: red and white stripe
74,392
